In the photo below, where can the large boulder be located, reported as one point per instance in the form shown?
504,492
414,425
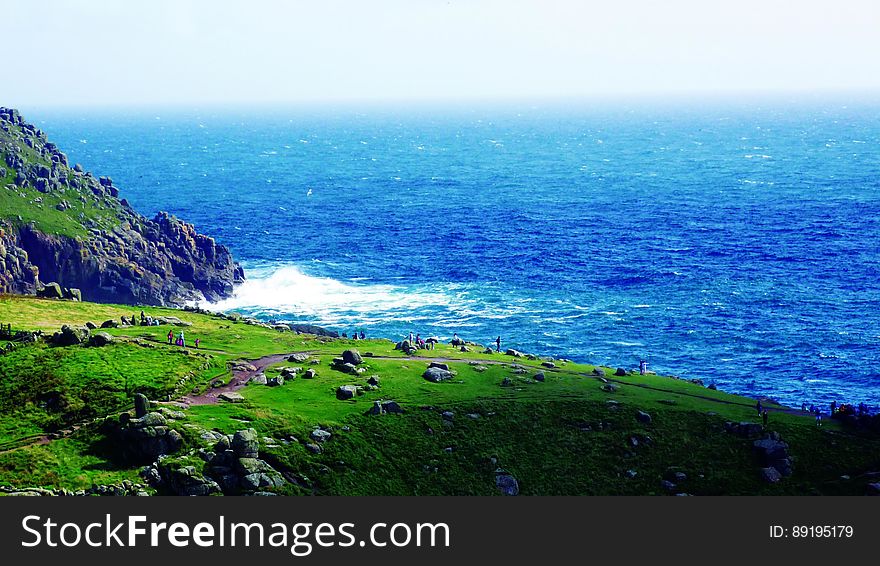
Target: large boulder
71,335
246,444
440,365
141,403
345,392
112,323
51,291
352,357
320,435
298,358
186,481
100,339
514,353
437,375
643,417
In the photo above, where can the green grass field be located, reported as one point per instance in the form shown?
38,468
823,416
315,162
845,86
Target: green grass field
565,435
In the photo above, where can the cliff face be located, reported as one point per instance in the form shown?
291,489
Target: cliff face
61,224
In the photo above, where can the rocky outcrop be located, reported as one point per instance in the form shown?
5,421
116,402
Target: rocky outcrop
105,250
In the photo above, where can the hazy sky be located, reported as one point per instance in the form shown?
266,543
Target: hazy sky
203,52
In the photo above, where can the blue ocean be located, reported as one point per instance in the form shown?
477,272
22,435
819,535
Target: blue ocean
735,242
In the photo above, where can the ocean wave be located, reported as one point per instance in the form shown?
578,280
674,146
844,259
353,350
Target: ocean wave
290,290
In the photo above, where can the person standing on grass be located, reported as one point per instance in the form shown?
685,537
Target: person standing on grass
197,342
759,407
498,344
170,336
181,339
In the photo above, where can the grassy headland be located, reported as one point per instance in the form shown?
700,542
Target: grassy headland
578,431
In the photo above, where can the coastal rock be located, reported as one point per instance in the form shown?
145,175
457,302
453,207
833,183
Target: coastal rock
141,403
620,372
259,379
320,435
100,339
352,357
539,376
70,336
345,392
246,444
437,375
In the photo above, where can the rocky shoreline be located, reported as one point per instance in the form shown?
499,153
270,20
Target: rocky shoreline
117,255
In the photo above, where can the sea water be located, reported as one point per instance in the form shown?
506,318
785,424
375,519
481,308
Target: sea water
738,243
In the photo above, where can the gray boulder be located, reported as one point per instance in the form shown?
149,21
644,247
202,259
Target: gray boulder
276,381
436,375
100,339
51,291
259,379
620,372
141,403
439,365
246,444
71,335
344,392
352,357
643,417
320,435
539,376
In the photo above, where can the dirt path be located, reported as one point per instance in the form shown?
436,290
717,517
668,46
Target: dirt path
239,379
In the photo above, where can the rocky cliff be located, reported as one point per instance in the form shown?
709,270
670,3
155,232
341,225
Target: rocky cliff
61,224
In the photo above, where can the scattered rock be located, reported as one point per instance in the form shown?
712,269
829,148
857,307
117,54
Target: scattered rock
436,375
231,397
314,448
514,353
245,443
140,405
344,392
320,435
352,357
100,339
299,358
310,374
259,379
439,365
539,376
620,372
276,381
643,417
550,365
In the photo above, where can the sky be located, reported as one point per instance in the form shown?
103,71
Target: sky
180,52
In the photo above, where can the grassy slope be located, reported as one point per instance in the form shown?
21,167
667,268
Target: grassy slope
21,201
532,429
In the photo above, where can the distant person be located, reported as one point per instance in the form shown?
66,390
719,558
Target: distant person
363,336
759,407
411,340
170,336
498,344
198,340
804,407
764,417
833,407
344,335
182,339
354,335
143,316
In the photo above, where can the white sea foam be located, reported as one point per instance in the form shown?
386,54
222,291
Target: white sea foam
290,290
